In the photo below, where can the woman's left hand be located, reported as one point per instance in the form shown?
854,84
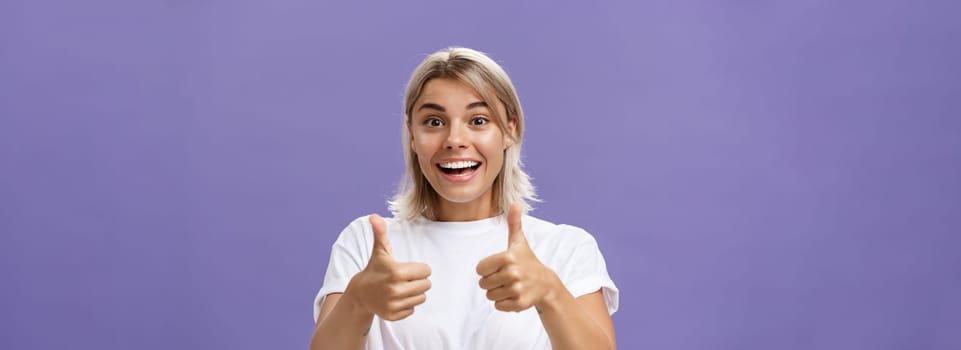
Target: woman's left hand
515,279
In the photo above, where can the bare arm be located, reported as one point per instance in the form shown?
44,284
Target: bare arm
386,288
581,323
340,325
516,280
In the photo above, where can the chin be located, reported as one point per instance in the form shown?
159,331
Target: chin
460,197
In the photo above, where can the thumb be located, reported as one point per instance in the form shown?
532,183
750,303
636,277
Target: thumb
515,233
381,243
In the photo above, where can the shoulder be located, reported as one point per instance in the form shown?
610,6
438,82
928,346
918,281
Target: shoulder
360,230
357,227
357,235
542,230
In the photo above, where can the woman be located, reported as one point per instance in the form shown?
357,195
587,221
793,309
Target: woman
460,266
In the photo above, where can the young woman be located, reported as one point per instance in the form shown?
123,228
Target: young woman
461,265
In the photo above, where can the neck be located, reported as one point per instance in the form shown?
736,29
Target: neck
480,208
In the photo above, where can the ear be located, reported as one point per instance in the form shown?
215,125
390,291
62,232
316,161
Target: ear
410,134
511,127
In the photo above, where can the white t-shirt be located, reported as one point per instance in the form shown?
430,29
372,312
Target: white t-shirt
457,314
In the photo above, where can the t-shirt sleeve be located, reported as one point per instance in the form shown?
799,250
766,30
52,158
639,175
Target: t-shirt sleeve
586,271
348,256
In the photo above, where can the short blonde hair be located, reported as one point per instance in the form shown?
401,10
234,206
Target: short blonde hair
415,196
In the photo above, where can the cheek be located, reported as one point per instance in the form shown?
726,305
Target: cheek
494,154
423,152
418,146
425,142
493,145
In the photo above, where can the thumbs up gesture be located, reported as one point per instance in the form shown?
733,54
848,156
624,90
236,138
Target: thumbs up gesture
387,288
515,279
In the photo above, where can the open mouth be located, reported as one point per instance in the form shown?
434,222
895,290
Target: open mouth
459,168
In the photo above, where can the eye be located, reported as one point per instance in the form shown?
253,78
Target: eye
478,121
434,122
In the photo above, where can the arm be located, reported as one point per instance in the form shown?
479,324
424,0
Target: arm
581,323
516,280
386,288
521,282
340,325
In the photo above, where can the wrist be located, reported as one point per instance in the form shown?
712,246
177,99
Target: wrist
554,294
356,306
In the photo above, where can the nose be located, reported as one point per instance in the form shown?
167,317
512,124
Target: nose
456,138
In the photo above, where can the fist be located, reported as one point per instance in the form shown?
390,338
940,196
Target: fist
387,288
515,279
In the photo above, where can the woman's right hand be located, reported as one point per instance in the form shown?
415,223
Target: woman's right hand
387,288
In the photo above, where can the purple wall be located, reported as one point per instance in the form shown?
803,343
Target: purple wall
759,174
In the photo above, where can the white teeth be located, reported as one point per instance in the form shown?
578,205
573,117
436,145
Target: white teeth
458,165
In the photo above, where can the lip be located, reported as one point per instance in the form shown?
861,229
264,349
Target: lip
458,178
449,160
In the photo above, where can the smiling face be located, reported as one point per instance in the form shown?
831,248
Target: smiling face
459,147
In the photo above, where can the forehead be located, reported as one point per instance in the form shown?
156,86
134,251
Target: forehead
441,90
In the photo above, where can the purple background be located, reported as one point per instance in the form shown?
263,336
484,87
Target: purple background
759,174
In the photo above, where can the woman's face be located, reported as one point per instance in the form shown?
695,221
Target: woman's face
459,147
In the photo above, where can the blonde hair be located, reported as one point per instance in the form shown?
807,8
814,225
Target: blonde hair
415,196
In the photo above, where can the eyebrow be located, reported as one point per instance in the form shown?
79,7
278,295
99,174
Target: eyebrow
431,106
437,107
478,104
